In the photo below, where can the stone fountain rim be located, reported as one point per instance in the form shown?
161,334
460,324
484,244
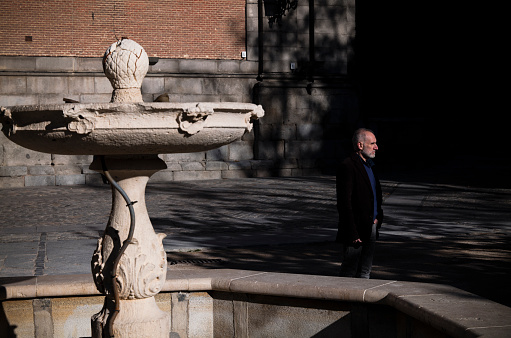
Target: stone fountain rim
159,106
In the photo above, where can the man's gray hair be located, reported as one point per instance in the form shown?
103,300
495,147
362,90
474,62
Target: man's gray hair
359,136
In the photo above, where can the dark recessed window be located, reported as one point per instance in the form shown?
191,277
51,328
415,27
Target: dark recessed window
28,37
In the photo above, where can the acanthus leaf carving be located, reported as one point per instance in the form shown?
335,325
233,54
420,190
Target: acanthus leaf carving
193,120
138,275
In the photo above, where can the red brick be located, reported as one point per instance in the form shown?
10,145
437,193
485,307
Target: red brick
213,29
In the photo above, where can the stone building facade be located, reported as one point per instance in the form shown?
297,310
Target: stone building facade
295,59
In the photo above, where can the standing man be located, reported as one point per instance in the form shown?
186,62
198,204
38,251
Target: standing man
359,200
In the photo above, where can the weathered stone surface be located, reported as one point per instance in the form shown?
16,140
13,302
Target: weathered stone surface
239,151
13,171
153,85
56,98
13,84
47,85
267,150
53,64
309,131
12,182
179,314
43,317
17,63
197,175
102,86
193,166
142,128
216,165
71,160
95,98
94,180
89,65
240,165
163,176
68,314
233,174
19,317
229,66
202,66
81,85
67,169
15,155
125,64
165,66
218,154
69,179
200,309
143,271
34,181
186,86
15,100
183,157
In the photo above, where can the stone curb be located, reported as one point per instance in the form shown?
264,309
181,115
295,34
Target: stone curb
448,309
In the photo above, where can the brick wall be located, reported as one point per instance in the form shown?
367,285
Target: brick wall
213,29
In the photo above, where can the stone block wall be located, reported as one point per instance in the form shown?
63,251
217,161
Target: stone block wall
307,129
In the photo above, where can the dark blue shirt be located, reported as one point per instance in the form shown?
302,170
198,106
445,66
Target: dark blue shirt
368,164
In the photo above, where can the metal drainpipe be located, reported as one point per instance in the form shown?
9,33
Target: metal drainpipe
260,36
128,241
312,48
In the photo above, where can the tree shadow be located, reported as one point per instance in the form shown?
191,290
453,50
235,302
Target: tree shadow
6,329
478,265
449,241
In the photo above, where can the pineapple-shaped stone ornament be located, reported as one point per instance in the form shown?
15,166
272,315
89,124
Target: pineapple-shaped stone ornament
125,64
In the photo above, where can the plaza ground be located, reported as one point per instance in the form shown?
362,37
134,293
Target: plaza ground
437,230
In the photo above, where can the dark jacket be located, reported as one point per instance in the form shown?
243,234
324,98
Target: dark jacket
355,201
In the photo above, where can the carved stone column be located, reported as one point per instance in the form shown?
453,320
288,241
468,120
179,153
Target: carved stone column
141,271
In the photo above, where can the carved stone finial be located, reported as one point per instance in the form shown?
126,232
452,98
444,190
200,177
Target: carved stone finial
125,64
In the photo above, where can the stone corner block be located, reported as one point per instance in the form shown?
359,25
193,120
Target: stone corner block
12,182
35,181
48,63
69,179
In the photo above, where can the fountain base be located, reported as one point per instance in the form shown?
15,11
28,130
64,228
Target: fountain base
138,318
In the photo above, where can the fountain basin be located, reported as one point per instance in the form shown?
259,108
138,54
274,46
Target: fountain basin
228,303
128,128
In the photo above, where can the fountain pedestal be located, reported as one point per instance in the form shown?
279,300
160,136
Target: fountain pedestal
141,270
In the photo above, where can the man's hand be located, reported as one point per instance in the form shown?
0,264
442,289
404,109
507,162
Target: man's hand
357,243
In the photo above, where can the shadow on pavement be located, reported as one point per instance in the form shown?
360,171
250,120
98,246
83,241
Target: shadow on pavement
478,265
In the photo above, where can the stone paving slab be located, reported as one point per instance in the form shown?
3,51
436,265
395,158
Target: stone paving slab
437,233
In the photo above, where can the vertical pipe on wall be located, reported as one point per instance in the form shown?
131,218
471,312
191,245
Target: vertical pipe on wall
312,45
260,44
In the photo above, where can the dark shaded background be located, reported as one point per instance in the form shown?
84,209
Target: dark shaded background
431,84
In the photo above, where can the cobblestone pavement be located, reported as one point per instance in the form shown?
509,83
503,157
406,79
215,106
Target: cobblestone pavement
437,233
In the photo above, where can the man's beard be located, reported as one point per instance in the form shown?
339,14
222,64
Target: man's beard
369,155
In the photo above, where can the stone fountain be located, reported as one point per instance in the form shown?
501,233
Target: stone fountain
126,135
